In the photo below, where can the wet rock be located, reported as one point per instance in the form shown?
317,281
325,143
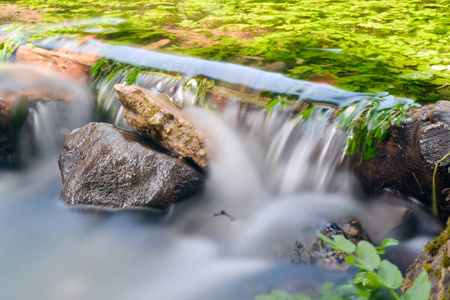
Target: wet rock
155,116
278,67
312,250
13,113
435,259
103,165
406,161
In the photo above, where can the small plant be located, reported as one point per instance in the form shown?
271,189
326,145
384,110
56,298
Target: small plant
376,279
369,122
434,197
199,86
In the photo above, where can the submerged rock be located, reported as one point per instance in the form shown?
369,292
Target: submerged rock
154,115
435,259
312,250
103,165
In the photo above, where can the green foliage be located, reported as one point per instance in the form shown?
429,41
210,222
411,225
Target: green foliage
421,288
433,247
9,45
369,122
200,87
107,69
434,197
374,279
394,46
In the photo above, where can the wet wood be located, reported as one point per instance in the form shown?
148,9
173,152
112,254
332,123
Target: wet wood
406,161
75,65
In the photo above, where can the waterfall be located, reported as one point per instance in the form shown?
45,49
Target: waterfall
275,175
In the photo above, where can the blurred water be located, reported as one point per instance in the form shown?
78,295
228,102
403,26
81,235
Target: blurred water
274,179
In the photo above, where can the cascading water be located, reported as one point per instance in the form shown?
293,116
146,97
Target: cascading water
279,176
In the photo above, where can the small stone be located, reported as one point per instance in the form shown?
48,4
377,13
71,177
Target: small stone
153,115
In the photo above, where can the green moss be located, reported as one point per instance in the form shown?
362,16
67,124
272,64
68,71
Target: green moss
437,273
107,69
445,262
427,267
433,247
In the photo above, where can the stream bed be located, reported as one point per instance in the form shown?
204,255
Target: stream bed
274,179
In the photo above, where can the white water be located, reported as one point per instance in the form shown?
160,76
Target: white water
274,180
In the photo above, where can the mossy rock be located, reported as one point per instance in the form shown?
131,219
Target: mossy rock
436,261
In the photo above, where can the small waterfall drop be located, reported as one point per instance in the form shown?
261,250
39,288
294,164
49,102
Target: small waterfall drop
45,106
275,175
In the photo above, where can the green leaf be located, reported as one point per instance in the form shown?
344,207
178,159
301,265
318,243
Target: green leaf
360,277
307,113
420,290
390,274
325,238
351,260
272,103
373,281
389,242
367,255
344,245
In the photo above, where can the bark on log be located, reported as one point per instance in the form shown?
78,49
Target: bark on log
406,161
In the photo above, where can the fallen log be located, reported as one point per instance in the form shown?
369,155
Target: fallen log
75,65
405,162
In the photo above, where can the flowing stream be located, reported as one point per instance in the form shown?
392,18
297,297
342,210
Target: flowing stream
275,177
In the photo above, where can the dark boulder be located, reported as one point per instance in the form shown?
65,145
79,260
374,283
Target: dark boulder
103,165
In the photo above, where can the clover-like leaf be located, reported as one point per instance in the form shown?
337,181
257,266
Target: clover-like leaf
344,245
390,274
367,255
420,290
389,242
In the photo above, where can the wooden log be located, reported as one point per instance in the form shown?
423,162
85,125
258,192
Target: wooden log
406,161
75,65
